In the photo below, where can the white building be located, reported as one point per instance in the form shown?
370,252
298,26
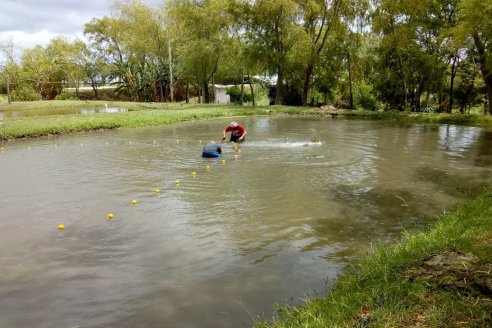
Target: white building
220,92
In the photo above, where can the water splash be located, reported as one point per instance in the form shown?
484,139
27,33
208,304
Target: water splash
283,144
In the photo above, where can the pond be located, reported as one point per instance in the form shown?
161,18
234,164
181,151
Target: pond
50,112
219,249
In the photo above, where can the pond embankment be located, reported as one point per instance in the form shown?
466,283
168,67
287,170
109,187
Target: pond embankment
147,114
435,278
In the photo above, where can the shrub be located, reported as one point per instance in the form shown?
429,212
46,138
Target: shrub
67,96
25,93
235,94
364,96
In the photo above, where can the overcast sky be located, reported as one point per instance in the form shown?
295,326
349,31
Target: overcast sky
28,23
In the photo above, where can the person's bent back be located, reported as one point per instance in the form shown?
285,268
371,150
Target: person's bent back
212,150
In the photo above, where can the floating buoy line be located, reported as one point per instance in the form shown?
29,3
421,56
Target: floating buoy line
157,191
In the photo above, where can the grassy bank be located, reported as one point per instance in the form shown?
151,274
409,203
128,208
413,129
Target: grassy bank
140,114
146,114
438,278
402,117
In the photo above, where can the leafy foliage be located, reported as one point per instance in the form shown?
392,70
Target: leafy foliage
235,94
430,55
25,92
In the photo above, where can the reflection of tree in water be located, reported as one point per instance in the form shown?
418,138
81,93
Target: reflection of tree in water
456,184
483,157
458,139
383,212
401,180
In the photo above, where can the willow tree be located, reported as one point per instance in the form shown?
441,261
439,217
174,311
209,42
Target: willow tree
324,21
199,33
106,37
146,42
243,60
273,34
133,46
414,55
10,69
43,68
475,23
73,57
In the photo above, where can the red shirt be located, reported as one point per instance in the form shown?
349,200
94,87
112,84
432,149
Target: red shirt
237,131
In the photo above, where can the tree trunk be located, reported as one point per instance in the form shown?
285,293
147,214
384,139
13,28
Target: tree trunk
486,73
279,87
171,91
405,87
307,84
41,90
161,91
418,105
187,95
349,62
94,88
454,69
9,96
489,95
252,90
77,91
469,92
206,93
241,97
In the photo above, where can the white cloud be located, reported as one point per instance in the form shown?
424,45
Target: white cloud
27,23
24,40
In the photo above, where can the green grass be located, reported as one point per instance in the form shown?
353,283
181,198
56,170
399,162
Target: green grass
146,114
438,118
143,114
374,292
64,104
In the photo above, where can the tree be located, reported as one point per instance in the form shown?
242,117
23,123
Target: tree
319,19
199,31
43,67
475,23
272,35
134,46
147,44
414,54
73,58
10,69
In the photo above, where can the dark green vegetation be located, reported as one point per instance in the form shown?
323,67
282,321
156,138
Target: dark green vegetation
437,278
420,56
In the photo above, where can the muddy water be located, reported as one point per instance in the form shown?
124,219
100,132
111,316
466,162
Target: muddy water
220,249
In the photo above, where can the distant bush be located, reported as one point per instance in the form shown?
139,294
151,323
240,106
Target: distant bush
67,96
25,93
364,96
235,94
341,104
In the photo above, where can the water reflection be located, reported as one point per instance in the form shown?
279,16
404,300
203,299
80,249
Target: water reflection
103,110
483,157
304,196
50,112
456,140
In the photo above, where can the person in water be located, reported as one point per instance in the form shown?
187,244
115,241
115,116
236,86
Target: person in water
212,150
237,132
